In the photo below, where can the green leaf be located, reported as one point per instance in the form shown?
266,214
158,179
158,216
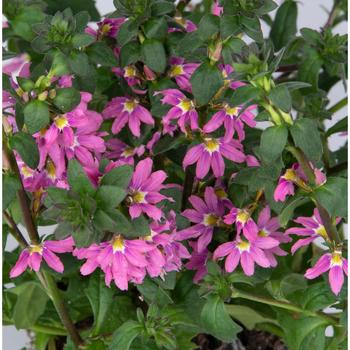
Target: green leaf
139,227
66,99
82,40
229,26
127,32
272,142
109,310
161,7
306,136
206,81
60,66
79,63
340,126
125,335
11,185
119,177
295,85
281,98
316,297
30,305
156,28
284,26
243,95
216,321
112,220
130,53
101,53
288,211
27,148
36,115
208,26
109,196
153,293
252,28
310,67
297,329
84,236
154,55
81,20
78,179
96,345
333,196
167,143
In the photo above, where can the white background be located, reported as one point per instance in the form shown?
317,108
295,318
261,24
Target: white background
312,14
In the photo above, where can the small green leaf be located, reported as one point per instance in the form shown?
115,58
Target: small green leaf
333,196
11,185
243,95
216,321
130,53
119,177
229,26
78,179
288,211
285,24
127,32
156,28
112,220
30,305
27,148
36,115
79,63
306,136
272,142
66,99
208,26
101,53
82,40
281,98
109,196
154,55
206,81
162,7
340,126
125,335
252,28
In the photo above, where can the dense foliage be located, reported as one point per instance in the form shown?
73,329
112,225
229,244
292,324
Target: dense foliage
184,161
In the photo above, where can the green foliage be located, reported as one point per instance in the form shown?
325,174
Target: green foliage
36,115
26,147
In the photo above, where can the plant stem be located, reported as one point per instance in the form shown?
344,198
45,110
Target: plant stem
16,233
282,305
339,105
332,15
60,306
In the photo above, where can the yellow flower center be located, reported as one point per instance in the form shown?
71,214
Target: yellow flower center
139,197
322,232
210,220
35,249
263,233
51,170
231,111
129,105
290,175
243,246
186,105
26,172
243,216
212,145
118,244
129,71
128,152
176,70
336,259
220,193
105,28
61,122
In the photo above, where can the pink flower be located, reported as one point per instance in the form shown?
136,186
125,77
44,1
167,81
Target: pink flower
295,176
188,25
217,10
313,228
246,252
232,119
210,153
108,27
129,73
337,266
268,227
182,72
127,110
123,152
206,215
198,262
153,141
32,256
183,110
144,190
17,66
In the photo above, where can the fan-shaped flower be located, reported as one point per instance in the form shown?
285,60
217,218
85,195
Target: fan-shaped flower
181,72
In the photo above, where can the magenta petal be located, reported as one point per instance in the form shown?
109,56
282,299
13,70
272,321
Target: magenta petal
321,266
204,240
217,164
89,267
301,243
135,210
193,155
21,264
203,165
142,172
259,257
35,261
53,261
232,261
247,263
336,279
264,217
119,123
223,250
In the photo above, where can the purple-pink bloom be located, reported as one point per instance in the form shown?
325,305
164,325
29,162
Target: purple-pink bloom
198,262
183,111
127,110
335,264
32,256
233,119
129,73
181,72
108,27
217,10
144,190
313,228
188,25
122,152
206,214
210,153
